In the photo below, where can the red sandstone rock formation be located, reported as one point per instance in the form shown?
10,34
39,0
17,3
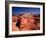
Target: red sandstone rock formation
27,22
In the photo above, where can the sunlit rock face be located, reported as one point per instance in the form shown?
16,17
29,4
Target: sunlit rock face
26,21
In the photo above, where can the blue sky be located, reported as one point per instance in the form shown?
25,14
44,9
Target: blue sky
20,10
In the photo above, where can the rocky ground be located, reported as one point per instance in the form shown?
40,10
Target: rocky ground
26,21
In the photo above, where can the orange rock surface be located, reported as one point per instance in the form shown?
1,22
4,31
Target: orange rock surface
27,22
